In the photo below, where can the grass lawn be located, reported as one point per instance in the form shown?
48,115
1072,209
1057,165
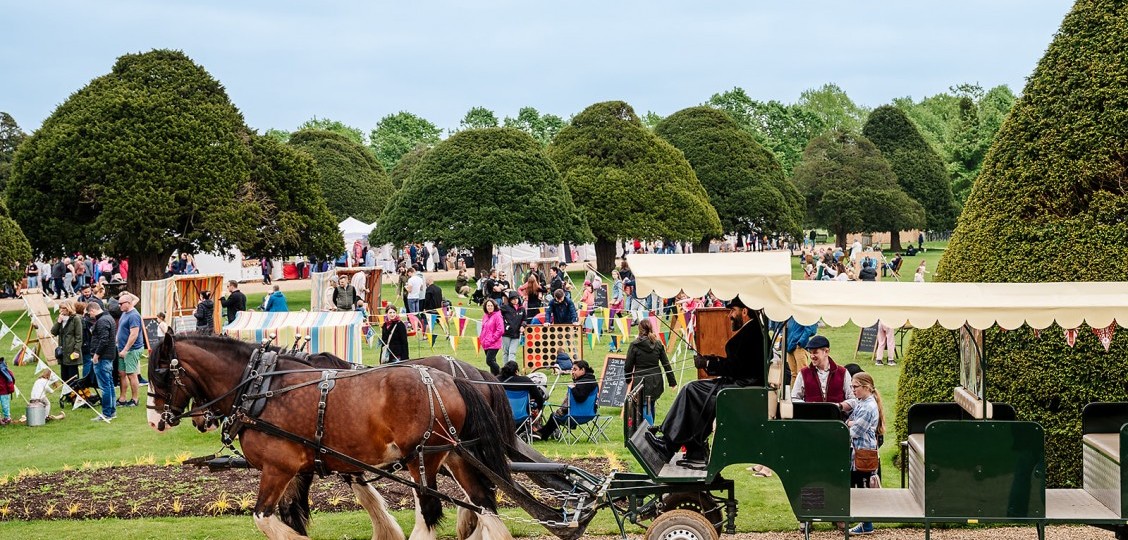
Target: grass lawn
76,443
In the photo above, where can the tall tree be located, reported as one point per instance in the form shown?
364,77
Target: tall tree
543,128
351,133
407,164
279,135
141,162
10,137
396,134
851,188
651,120
628,182
15,251
744,181
834,108
290,212
918,167
352,181
478,118
481,188
1049,205
785,130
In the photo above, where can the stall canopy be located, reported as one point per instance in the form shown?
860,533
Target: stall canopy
178,296
322,283
763,281
336,332
355,229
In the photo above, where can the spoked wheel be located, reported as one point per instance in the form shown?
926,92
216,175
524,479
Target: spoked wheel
681,525
697,502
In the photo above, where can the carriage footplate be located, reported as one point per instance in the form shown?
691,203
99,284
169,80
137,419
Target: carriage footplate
217,463
655,463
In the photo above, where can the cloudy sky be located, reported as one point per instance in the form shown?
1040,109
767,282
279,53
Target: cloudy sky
285,61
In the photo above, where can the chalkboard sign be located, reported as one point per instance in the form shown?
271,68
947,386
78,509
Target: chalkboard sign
613,381
867,341
152,332
601,296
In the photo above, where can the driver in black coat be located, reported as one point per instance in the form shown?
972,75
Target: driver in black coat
690,419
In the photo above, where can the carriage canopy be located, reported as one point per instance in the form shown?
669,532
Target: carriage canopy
763,281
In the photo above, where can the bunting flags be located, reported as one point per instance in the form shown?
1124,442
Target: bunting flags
477,344
4,329
461,325
624,328
1071,336
16,343
1105,335
454,341
431,337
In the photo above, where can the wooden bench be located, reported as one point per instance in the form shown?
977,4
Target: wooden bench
977,408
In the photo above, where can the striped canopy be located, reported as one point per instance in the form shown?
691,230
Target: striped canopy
178,296
336,332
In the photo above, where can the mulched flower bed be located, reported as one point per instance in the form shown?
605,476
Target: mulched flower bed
154,491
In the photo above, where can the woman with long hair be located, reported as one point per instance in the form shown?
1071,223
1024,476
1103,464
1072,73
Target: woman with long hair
646,362
394,336
866,424
533,294
493,327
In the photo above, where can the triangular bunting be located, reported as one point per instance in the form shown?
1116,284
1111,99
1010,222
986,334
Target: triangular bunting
16,343
1105,335
432,337
4,329
454,342
477,344
1071,336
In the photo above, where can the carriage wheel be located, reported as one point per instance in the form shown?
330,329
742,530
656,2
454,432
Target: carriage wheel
698,502
681,525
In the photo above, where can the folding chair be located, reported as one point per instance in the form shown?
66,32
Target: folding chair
582,418
522,413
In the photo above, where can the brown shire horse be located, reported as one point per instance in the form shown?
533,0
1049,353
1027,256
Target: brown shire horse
293,507
381,417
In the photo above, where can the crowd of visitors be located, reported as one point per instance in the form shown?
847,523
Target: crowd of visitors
63,277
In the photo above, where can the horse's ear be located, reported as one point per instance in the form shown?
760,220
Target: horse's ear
167,346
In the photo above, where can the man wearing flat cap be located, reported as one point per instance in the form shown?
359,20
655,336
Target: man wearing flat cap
690,419
822,381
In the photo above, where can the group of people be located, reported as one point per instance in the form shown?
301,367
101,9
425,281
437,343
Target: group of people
62,277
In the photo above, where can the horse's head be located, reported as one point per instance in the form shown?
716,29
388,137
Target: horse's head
169,394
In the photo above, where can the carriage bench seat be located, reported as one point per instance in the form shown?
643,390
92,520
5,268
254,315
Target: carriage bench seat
1108,444
916,444
972,404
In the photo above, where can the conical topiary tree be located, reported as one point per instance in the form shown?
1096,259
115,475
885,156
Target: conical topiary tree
629,183
15,251
1049,205
352,180
919,169
744,181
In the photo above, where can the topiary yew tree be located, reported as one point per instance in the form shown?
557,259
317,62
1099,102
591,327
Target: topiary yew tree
744,181
407,164
481,188
919,169
629,183
352,181
15,251
850,188
1049,205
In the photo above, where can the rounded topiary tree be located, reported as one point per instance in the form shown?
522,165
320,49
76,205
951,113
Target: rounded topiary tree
919,169
481,188
407,164
851,188
1049,205
629,183
15,252
352,181
744,181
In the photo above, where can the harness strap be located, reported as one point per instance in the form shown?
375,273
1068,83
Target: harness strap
327,384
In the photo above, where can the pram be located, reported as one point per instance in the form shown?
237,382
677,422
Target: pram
86,387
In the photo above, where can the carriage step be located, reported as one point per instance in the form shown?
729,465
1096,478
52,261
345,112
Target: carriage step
538,467
219,463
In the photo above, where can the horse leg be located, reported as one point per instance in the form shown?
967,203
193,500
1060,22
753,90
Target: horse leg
428,508
384,526
293,506
479,491
467,525
272,483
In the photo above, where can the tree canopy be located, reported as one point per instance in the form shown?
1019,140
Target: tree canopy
849,187
143,161
918,167
543,128
478,118
396,134
744,181
10,137
1049,205
352,181
481,188
15,251
834,109
628,182
407,164
785,130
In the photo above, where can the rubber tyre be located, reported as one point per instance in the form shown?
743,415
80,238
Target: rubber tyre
681,525
697,502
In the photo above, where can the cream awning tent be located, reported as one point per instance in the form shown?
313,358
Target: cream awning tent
763,281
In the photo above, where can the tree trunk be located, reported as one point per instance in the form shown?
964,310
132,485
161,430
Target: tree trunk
604,255
840,237
702,246
483,259
894,241
145,267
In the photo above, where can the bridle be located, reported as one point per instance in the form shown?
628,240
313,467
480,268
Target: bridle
170,415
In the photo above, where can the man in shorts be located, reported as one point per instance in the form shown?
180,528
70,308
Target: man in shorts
129,345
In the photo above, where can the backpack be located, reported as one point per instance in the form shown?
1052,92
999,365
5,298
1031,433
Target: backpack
478,297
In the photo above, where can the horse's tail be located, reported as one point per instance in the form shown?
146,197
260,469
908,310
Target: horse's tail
503,413
481,426
293,506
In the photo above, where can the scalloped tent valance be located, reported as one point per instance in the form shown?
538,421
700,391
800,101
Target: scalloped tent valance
763,281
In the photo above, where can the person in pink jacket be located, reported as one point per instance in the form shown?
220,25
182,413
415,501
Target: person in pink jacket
492,329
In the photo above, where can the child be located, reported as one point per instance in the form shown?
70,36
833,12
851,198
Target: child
7,388
39,392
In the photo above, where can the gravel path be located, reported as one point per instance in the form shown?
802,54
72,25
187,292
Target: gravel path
992,533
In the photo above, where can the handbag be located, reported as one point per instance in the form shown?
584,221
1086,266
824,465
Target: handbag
59,354
866,460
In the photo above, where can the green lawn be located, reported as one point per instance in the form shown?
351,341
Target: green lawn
76,442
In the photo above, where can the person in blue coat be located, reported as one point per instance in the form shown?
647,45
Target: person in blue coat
276,301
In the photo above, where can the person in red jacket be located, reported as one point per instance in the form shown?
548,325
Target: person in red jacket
822,381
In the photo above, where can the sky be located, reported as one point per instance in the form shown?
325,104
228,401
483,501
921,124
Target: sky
285,61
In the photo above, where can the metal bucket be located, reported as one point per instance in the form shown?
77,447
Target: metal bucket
36,414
